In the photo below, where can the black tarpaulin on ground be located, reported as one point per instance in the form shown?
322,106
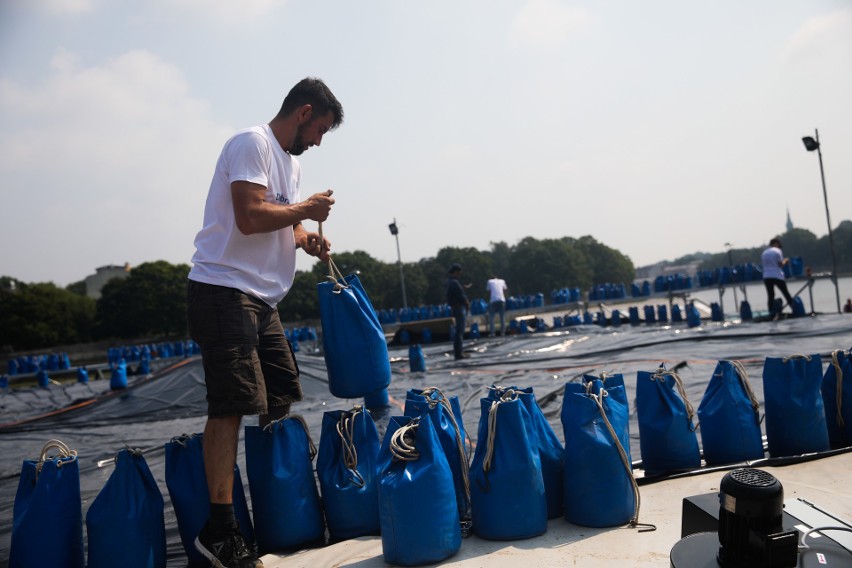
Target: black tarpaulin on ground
152,411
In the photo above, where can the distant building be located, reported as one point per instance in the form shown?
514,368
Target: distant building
95,282
789,221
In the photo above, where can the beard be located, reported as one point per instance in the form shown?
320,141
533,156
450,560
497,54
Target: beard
299,145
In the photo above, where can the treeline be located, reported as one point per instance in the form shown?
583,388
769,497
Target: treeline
150,302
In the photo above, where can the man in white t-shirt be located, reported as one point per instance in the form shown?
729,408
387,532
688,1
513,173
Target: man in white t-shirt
497,305
773,274
244,264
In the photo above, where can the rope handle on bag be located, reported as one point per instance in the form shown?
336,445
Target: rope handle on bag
402,443
743,376
312,449
66,454
346,431
634,522
660,375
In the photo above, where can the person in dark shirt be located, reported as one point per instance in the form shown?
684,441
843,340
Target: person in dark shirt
459,304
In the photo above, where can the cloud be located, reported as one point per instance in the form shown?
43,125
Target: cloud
117,154
226,11
542,24
827,36
62,7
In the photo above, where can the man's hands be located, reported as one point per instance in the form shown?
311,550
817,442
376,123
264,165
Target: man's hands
318,206
313,244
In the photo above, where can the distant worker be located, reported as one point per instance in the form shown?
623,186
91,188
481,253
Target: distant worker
497,305
773,261
847,307
459,304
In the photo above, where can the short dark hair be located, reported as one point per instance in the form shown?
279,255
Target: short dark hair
775,241
312,91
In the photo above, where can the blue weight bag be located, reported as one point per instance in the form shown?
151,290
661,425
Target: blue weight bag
506,484
125,523
600,490
837,397
47,518
354,345
187,486
550,449
795,413
284,496
667,436
729,415
446,419
417,500
347,468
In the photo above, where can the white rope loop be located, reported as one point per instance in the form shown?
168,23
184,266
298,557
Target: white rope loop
403,443
66,455
507,395
346,432
785,360
660,375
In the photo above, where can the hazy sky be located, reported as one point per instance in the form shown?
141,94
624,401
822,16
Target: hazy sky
658,127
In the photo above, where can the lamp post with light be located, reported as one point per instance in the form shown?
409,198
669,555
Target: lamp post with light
394,230
811,144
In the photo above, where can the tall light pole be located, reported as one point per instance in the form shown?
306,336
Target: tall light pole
812,144
731,264
395,232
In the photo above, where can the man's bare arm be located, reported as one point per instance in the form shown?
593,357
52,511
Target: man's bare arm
255,215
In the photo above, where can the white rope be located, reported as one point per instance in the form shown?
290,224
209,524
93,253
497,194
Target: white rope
66,455
838,371
403,442
508,395
743,376
346,431
785,360
625,461
661,375
312,449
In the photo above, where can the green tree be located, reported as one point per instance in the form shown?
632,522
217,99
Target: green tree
547,265
608,265
40,315
151,301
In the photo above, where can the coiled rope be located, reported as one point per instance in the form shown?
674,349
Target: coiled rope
403,441
66,455
346,432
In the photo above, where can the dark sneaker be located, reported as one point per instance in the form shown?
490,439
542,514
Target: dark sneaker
227,549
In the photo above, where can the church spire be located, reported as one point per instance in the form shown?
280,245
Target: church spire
789,221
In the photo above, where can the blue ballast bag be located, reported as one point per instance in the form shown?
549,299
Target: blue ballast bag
837,397
284,496
599,487
125,523
347,468
187,486
354,345
506,485
667,437
550,449
729,415
47,518
446,419
417,501
795,414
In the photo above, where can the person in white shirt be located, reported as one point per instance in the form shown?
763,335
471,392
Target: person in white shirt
773,261
244,264
497,305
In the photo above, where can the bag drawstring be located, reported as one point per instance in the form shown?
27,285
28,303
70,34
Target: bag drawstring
346,431
312,449
66,455
634,521
743,377
660,375
403,442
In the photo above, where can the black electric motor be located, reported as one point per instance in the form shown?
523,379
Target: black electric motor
751,508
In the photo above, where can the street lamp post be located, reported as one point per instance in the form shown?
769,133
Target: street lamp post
812,144
731,264
395,232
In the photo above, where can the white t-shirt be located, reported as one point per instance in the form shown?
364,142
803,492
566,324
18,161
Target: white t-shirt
496,286
264,264
771,260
